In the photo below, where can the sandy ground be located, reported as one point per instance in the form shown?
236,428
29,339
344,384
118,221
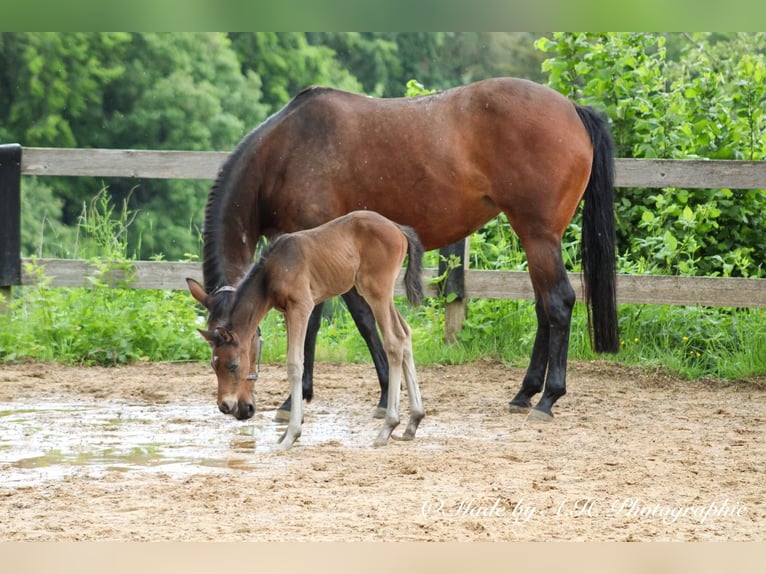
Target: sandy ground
631,455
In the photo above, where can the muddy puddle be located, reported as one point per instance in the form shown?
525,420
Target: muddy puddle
53,440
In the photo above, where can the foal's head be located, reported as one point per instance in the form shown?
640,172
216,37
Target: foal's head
231,363
235,362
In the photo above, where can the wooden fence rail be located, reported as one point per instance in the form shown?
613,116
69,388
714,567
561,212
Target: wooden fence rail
478,284
151,164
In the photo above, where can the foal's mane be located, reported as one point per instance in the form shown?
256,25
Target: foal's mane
253,279
224,188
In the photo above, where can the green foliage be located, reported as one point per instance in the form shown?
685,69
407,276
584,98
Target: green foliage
289,63
51,84
102,324
706,102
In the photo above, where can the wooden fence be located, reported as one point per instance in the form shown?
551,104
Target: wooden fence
651,289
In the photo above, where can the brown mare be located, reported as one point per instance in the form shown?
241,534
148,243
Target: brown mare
363,250
443,164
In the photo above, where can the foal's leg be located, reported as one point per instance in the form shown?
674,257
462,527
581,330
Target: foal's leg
554,299
296,320
309,349
365,322
393,343
413,388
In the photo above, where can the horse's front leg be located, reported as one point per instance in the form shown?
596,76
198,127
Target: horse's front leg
309,349
296,322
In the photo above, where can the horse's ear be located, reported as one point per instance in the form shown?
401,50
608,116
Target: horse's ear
198,292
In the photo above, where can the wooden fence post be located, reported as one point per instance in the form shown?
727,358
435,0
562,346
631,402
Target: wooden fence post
10,221
453,284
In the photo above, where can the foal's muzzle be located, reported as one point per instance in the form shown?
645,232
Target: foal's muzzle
241,410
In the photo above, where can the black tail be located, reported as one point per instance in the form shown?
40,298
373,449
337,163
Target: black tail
598,236
413,277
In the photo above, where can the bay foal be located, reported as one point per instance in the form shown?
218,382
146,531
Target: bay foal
361,250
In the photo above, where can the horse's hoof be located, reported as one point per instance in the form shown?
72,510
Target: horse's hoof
517,409
379,413
404,438
379,442
282,416
538,415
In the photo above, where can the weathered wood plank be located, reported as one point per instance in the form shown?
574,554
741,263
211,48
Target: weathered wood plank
646,289
686,173
146,274
204,165
122,163
674,290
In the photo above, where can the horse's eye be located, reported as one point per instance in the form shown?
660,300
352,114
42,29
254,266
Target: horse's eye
233,367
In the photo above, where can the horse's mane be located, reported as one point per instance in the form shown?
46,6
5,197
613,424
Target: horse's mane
228,179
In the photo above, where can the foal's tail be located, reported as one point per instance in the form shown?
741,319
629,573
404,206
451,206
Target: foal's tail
413,277
598,236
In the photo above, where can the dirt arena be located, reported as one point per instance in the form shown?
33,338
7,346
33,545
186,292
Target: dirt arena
140,453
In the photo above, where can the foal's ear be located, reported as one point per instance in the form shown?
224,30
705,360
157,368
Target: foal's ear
210,336
224,335
198,292
218,336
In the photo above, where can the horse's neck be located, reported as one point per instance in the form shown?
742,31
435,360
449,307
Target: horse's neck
229,245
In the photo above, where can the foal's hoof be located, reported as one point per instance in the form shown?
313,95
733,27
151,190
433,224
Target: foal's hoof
282,416
379,413
517,408
404,438
538,415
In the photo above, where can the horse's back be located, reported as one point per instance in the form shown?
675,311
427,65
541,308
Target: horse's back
467,153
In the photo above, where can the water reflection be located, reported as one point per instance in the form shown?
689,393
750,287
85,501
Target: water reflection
54,440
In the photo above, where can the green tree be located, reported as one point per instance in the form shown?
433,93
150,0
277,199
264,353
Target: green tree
51,85
372,58
287,64
178,91
155,91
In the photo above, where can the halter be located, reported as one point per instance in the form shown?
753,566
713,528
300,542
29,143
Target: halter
224,288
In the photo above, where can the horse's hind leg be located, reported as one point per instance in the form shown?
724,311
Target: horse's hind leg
538,364
554,302
365,322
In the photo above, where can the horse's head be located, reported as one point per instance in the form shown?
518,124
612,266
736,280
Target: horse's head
235,362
